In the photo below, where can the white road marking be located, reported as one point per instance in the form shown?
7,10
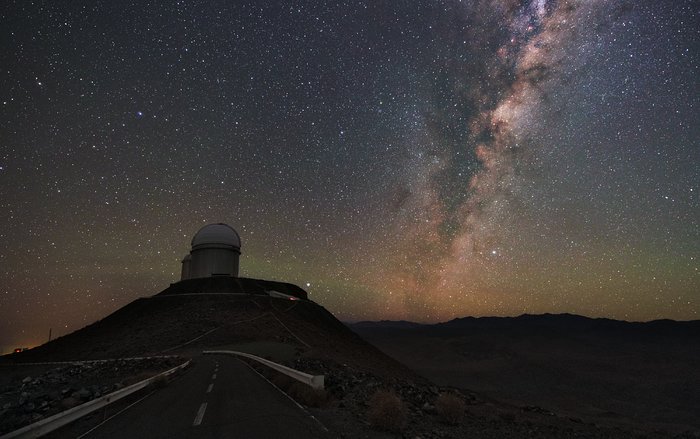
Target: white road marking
200,414
213,377
211,386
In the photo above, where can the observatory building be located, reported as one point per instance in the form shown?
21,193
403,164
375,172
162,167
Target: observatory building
211,267
216,249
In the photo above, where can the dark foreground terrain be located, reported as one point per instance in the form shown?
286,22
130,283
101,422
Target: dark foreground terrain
506,378
642,376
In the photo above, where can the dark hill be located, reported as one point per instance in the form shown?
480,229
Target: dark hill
186,323
386,324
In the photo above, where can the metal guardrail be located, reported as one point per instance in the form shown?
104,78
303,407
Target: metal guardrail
315,381
58,420
81,362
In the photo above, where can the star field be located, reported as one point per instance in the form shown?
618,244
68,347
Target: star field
417,160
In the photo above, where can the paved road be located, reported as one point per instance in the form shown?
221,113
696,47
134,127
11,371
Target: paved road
218,397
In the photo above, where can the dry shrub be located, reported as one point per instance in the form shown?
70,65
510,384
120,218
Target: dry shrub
387,411
506,416
450,407
308,396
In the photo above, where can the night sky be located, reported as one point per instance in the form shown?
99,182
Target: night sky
418,160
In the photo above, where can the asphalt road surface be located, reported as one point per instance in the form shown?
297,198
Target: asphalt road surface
218,397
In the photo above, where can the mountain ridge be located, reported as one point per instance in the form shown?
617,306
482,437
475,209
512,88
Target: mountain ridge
543,321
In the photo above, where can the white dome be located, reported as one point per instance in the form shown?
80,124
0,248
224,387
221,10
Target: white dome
220,233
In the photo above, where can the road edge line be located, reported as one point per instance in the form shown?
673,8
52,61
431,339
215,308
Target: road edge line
287,395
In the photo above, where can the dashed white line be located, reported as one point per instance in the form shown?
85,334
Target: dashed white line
213,377
211,386
200,414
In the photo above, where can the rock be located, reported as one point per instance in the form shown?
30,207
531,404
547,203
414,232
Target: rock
82,394
536,409
69,402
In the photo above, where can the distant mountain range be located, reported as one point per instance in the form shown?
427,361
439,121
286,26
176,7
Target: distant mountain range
537,323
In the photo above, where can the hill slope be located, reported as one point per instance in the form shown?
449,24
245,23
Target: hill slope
170,324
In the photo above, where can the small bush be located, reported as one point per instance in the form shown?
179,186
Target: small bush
160,382
387,411
450,408
506,416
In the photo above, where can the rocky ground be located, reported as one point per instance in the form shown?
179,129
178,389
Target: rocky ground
29,393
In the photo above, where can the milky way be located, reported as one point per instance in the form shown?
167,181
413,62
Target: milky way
453,245
414,160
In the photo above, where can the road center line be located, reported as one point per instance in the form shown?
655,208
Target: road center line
211,386
213,377
200,414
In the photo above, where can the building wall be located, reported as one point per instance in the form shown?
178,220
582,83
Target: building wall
185,269
207,262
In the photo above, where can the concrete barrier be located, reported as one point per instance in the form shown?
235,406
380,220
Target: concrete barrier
58,420
315,381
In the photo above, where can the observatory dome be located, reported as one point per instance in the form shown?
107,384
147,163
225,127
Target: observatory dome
221,234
